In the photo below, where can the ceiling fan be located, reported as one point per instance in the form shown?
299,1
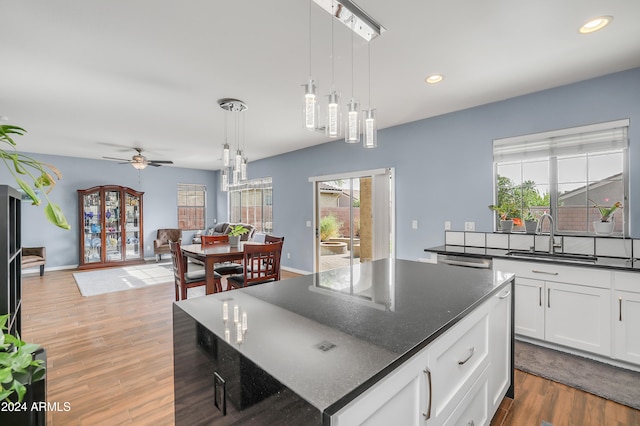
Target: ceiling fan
139,161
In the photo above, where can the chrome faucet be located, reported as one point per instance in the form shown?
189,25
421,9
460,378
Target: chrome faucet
552,245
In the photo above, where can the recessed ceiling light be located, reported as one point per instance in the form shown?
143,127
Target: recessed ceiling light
595,24
434,78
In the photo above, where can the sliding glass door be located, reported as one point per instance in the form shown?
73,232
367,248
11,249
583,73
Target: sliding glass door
353,218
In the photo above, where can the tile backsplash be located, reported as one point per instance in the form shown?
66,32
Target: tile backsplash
598,246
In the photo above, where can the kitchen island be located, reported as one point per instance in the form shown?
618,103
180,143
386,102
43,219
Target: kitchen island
325,348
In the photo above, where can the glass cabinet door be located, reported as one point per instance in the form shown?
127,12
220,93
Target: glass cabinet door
112,225
132,227
92,228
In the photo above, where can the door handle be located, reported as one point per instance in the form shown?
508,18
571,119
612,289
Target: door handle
427,415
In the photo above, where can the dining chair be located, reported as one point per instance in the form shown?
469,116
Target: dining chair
262,264
206,240
272,239
185,280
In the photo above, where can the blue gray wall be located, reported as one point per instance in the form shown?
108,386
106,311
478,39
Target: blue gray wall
443,169
158,184
443,164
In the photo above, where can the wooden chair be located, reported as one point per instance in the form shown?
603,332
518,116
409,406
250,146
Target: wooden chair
273,239
262,264
213,239
185,280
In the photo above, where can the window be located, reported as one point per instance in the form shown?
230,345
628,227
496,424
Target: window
192,202
565,173
252,203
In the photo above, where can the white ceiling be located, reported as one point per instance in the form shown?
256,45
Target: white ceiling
90,78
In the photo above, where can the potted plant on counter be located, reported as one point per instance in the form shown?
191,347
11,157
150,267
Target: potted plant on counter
530,222
234,234
605,225
508,216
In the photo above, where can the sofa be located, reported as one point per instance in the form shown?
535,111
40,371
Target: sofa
34,256
221,228
161,243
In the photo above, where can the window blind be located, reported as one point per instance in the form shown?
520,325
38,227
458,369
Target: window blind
577,140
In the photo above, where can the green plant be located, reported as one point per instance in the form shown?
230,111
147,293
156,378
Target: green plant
606,212
17,366
530,216
329,227
237,230
20,165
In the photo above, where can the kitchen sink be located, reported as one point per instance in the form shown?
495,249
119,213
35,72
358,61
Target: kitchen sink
558,257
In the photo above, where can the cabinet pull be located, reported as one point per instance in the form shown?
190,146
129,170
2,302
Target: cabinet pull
540,295
504,296
219,396
535,271
472,350
548,298
620,308
427,415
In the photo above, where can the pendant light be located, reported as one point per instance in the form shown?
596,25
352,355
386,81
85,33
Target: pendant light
352,133
311,109
334,118
232,176
224,180
370,139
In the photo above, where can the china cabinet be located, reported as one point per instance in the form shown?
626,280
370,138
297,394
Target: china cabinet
10,253
110,226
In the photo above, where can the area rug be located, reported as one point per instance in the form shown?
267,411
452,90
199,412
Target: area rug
110,280
613,383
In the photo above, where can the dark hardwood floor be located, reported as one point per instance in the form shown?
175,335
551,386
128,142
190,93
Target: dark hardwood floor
111,358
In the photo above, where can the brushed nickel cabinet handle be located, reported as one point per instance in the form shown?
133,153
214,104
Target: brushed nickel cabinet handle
535,271
548,298
620,308
472,350
504,296
540,295
427,415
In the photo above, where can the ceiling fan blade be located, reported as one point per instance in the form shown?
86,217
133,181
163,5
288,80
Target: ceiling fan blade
160,161
149,163
118,159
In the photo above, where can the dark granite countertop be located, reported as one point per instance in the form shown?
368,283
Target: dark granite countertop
618,263
377,319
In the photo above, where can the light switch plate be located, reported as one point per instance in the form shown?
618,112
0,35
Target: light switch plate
469,226
447,225
414,224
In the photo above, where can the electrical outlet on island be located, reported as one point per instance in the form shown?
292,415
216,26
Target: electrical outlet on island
469,226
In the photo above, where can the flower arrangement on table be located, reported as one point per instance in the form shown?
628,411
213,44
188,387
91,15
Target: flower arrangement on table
606,212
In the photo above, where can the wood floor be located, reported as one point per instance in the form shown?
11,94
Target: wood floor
110,357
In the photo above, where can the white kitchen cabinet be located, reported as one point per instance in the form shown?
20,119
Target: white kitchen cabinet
562,304
626,316
457,378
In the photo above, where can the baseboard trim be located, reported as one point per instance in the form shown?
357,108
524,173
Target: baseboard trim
295,271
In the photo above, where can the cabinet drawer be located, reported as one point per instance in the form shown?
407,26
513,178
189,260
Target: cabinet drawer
627,281
592,277
457,360
472,410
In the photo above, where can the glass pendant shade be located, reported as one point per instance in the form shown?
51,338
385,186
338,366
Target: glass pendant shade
236,176
310,106
238,160
224,180
225,155
370,139
139,166
334,120
352,133
243,169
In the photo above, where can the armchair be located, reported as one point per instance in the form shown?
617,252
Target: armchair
34,256
161,243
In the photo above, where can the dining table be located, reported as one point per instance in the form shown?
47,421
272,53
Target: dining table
211,254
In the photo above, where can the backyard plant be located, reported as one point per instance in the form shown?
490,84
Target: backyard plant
42,176
329,227
17,366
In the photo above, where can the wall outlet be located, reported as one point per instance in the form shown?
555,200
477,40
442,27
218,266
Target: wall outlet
308,224
469,226
288,255
414,224
447,225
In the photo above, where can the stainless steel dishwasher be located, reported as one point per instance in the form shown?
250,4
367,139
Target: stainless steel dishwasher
465,261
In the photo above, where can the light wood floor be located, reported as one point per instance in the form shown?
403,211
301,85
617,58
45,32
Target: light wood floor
110,357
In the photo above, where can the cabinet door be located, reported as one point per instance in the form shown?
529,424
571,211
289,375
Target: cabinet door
400,399
627,326
113,225
578,317
92,227
529,310
500,353
132,227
